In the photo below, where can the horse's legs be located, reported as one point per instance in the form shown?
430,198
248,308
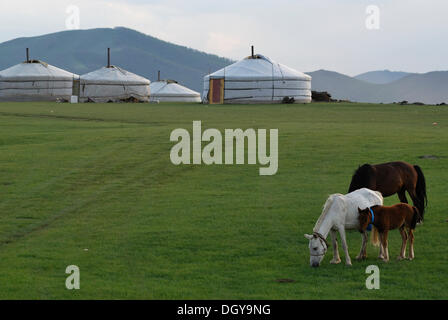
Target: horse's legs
404,239
402,195
416,201
411,244
414,198
336,259
363,253
381,255
385,246
348,261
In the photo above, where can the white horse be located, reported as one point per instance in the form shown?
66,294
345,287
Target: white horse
340,213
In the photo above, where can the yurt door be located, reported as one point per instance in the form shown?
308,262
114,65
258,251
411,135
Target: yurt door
216,91
76,85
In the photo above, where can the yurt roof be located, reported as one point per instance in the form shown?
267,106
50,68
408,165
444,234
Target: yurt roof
113,75
35,70
170,88
258,67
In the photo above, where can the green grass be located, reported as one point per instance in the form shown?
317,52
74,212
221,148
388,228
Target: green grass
99,177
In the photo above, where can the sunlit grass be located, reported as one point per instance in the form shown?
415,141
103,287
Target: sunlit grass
92,185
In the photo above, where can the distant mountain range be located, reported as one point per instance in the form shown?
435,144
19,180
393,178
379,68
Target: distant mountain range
428,88
381,77
82,51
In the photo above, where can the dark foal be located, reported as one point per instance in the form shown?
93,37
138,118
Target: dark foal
384,218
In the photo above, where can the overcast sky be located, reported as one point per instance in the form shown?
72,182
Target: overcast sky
304,34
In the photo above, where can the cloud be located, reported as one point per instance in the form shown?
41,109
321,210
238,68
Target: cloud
226,44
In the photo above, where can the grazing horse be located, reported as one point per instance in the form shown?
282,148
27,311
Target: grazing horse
393,177
402,216
339,214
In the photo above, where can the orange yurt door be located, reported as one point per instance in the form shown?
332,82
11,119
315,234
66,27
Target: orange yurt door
216,91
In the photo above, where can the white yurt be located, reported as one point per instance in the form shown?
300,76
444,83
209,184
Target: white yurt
257,79
113,84
172,91
34,80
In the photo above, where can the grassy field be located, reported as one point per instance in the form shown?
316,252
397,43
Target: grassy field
92,185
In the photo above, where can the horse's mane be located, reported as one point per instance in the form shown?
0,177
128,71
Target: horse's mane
325,209
361,177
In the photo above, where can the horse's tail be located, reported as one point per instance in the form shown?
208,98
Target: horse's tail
374,237
420,191
415,218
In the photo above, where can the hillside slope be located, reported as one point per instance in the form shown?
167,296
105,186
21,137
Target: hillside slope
429,88
82,51
381,76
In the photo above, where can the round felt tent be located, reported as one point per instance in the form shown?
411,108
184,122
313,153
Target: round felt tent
257,79
34,80
113,84
170,90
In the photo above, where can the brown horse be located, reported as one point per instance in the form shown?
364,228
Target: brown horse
402,216
393,177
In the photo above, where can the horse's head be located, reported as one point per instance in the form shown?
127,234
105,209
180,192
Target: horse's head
361,177
364,218
318,247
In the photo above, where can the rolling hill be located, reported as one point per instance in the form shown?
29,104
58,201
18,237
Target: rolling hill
82,51
381,76
429,88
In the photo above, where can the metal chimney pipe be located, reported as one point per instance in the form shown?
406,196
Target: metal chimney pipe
158,75
108,57
27,55
252,49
